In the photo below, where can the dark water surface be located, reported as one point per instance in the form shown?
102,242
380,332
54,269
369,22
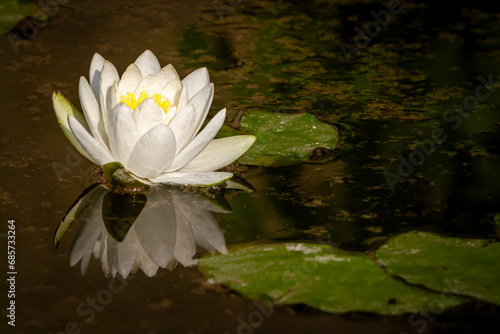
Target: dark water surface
273,56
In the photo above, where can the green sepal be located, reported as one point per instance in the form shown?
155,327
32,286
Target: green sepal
63,108
118,175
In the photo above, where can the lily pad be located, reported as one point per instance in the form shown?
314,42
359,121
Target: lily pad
465,266
13,11
285,139
321,276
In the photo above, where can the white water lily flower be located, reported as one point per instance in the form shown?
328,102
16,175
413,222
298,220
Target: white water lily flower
149,121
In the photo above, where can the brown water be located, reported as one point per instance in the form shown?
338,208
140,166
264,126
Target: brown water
273,56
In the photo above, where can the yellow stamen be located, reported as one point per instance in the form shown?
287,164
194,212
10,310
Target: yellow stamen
133,101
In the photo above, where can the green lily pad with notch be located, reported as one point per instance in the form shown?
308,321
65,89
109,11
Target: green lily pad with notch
285,139
321,276
463,266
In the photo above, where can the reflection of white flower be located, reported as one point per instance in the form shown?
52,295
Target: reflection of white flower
165,232
149,121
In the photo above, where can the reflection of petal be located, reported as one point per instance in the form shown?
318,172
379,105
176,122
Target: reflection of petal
155,228
88,230
97,248
205,203
206,231
104,255
121,255
146,264
163,232
85,261
185,246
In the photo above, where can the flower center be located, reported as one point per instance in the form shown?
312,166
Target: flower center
133,101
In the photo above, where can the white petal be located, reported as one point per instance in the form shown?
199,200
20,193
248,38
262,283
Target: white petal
219,153
96,151
147,115
168,116
148,63
130,79
167,74
111,102
200,179
122,133
109,76
92,112
199,143
195,81
202,102
150,84
153,153
172,91
183,99
95,74
182,126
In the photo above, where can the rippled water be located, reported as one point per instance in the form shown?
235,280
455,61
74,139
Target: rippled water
281,57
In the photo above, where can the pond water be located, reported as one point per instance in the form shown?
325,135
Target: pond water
433,66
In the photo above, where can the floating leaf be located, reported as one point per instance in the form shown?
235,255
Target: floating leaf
320,276
464,266
285,139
